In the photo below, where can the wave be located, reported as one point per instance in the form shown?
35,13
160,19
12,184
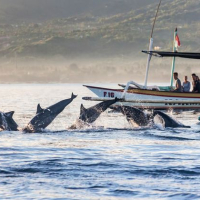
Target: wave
167,137
167,172
124,192
184,196
5,172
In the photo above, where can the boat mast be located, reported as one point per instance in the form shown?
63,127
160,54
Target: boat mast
174,59
151,47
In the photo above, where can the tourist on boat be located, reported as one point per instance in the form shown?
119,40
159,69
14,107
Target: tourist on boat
193,81
178,86
195,84
198,84
186,85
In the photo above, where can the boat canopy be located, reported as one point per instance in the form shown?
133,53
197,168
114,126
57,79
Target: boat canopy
173,54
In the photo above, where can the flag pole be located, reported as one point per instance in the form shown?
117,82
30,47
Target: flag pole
150,48
174,59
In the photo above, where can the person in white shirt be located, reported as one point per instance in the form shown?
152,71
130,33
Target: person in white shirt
186,85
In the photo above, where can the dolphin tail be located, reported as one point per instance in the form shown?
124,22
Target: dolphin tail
73,96
10,114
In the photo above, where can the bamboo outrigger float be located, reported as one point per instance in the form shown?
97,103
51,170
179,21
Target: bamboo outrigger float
152,97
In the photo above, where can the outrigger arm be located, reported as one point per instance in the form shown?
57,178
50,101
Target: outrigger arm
143,101
127,87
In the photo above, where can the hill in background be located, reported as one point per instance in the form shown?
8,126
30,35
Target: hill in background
94,35
13,11
104,37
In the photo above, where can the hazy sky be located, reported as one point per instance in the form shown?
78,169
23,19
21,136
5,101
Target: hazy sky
47,9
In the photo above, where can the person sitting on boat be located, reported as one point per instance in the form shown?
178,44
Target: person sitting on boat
177,83
198,84
186,85
195,84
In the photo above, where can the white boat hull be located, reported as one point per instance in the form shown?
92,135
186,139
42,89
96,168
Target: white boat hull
149,99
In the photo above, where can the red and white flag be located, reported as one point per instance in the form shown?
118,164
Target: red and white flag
177,41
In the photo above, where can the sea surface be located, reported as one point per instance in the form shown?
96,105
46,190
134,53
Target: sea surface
110,161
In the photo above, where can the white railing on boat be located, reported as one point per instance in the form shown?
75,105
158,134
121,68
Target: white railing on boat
137,86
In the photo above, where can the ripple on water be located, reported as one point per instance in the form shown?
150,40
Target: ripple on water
107,162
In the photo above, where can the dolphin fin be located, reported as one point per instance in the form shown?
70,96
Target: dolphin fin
10,114
73,96
39,109
82,109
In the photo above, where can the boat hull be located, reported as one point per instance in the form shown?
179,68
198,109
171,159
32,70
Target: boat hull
148,99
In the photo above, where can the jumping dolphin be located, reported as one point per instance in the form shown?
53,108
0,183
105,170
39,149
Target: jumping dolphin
133,115
168,121
90,115
137,117
7,122
45,116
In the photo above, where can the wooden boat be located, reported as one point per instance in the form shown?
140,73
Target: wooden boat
147,99
152,97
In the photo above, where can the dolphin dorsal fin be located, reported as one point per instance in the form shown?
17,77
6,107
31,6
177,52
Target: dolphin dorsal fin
10,114
82,109
39,109
73,96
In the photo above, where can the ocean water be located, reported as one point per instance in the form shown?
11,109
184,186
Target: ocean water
112,161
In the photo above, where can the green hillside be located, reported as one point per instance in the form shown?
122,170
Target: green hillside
17,11
125,33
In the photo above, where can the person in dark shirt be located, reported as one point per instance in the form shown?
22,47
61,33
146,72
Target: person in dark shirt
178,86
198,84
195,84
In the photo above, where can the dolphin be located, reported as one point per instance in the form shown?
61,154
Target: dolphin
44,117
134,116
168,121
90,115
7,122
138,117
